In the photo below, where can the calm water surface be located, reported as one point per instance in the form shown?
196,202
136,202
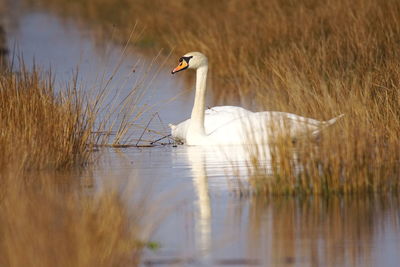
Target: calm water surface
201,222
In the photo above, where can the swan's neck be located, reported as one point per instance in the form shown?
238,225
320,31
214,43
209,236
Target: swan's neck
197,119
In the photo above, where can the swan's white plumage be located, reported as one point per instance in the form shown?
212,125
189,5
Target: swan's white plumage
235,125
231,125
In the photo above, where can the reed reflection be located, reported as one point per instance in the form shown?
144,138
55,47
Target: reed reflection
335,231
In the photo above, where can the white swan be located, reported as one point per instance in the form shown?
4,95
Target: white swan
229,125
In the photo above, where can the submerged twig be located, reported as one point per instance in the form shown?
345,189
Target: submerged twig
140,138
122,145
162,139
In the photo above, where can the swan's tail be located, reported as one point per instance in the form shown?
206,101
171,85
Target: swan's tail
326,124
332,121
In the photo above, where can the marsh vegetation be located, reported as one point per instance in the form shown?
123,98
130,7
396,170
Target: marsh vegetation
48,216
314,58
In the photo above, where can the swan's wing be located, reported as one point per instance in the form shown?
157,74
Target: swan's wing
293,119
288,123
221,116
231,124
258,127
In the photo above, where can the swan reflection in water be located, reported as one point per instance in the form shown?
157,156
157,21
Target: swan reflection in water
228,163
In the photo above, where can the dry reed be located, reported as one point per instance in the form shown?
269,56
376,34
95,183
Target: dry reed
39,128
47,217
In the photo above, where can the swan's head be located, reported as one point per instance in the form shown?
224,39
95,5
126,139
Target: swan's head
192,60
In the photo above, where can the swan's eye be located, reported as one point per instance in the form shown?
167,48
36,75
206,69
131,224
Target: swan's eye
186,59
181,66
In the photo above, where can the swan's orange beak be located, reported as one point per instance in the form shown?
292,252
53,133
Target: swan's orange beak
182,66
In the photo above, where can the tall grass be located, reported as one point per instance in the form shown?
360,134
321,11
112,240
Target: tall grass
313,58
47,215
42,129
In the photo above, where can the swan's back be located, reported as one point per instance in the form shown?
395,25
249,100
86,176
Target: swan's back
235,125
259,127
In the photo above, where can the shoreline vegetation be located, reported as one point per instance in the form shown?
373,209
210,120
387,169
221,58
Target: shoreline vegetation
41,129
48,217
318,59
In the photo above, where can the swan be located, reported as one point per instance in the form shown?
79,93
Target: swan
231,125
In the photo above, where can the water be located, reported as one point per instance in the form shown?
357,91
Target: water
200,221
